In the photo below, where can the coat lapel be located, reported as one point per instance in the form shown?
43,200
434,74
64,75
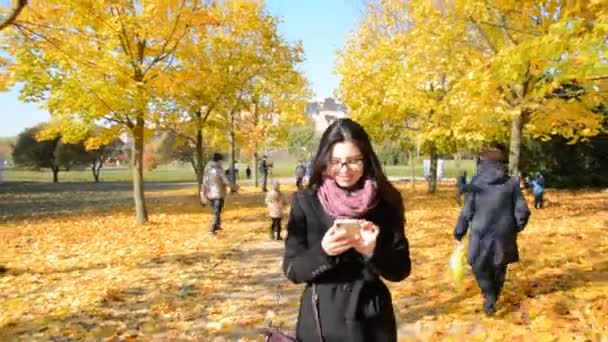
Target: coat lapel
325,220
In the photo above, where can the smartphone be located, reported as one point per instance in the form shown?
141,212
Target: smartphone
351,226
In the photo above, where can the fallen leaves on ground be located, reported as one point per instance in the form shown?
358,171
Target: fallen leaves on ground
94,274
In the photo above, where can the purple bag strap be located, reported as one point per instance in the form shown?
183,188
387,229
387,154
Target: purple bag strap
315,306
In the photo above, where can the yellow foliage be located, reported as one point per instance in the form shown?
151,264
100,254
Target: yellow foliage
455,72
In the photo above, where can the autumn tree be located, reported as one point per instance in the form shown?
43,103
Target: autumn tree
29,152
7,17
467,72
392,90
528,50
95,159
101,62
247,69
276,104
302,141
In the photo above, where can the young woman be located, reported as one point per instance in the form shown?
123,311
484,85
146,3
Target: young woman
345,298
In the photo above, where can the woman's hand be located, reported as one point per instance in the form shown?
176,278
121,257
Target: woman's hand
369,234
336,242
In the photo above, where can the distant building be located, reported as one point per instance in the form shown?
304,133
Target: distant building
323,113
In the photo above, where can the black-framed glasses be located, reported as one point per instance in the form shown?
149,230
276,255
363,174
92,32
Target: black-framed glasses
351,164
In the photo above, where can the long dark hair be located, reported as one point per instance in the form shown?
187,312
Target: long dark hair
343,130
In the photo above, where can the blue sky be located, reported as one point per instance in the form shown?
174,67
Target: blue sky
321,25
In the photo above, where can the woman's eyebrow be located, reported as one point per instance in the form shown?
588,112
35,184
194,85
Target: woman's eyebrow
349,157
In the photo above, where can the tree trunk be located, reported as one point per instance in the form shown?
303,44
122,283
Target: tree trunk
199,162
137,158
413,169
433,170
55,170
95,173
96,168
255,169
517,125
232,142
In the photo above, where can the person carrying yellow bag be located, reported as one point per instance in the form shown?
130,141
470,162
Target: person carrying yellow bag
456,265
496,211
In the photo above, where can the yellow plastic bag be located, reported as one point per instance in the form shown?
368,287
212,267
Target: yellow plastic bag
457,264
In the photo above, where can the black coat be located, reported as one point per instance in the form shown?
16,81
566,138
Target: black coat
354,304
496,210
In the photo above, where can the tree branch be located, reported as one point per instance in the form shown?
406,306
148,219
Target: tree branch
163,53
483,35
505,31
13,14
124,41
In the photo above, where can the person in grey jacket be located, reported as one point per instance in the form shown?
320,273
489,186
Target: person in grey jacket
214,185
496,211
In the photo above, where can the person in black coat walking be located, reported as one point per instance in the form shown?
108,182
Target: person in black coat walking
345,271
497,211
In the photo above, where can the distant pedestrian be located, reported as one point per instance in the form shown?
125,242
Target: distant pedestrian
307,171
538,189
214,187
276,203
248,172
300,172
264,172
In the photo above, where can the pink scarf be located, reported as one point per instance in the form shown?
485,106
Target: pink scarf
342,203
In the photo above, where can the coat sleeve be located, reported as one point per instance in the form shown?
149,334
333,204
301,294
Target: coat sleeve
466,216
391,257
225,179
522,212
301,262
205,174
268,200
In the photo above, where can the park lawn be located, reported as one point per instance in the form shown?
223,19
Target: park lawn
185,173
79,268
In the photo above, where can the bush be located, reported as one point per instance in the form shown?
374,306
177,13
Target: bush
580,165
149,161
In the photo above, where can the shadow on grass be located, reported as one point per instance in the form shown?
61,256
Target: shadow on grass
31,200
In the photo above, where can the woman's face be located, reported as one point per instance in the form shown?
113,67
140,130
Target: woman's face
345,164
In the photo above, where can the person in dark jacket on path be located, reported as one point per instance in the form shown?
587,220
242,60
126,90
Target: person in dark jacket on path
264,168
345,271
496,211
300,171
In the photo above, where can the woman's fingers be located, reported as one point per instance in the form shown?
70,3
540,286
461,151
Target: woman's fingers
369,229
340,246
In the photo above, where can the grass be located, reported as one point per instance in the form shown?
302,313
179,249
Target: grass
186,174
